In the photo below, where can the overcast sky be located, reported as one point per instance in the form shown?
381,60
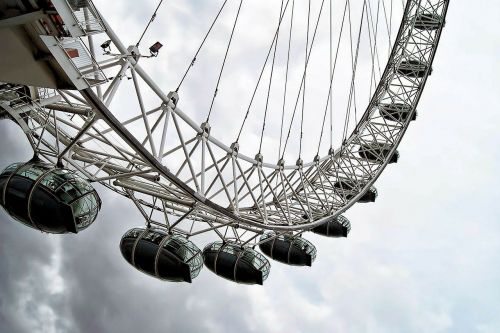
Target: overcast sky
423,258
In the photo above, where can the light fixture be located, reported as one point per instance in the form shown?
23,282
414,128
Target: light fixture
106,46
155,48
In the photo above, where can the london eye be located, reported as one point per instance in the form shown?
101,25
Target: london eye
229,173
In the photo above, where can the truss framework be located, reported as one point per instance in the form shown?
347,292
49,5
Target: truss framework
183,179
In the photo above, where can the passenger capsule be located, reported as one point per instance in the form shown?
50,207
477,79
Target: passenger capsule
350,189
413,68
335,227
232,262
397,112
161,255
48,198
377,152
428,21
369,196
295,251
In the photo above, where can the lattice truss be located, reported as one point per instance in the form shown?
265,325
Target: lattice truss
181,178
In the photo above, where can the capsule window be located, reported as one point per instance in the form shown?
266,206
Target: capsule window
153,237
32,171
81,185
67,186
134,233
11,168
256,260
186,251
307,246
85,210
52,181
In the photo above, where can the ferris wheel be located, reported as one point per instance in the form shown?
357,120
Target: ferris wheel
276,119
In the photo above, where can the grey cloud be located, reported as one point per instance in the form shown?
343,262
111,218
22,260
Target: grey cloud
423,258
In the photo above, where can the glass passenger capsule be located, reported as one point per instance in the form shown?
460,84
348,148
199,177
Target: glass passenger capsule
349,189
369,196
377,152
48,198
295,251
428,21
232,262
335,227
397,112
413,68
161,255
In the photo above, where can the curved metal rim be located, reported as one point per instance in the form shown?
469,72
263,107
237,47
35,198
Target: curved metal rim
338,154
126,135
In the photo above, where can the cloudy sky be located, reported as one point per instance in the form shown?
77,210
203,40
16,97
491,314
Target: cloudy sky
423,258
